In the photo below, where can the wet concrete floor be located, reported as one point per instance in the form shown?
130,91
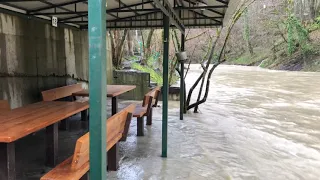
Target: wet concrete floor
256,124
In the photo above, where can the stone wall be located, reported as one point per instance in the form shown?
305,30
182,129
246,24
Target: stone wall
140,79
35,56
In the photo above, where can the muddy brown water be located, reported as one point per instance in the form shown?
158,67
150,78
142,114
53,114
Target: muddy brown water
268,122
256,124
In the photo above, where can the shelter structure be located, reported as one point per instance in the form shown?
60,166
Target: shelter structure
97,16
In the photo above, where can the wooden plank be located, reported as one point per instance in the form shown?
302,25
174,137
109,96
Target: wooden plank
112,90
13,126
61,92
26,110
116,90
140,111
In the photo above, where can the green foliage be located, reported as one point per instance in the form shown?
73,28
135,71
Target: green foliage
297,34
153,59
315,25
155,76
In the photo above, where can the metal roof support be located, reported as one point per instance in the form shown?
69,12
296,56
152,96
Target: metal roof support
165,86
182,78
56,5
168,11
97,88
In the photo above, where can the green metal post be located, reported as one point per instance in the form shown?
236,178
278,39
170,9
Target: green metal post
165,87
97,86
182,79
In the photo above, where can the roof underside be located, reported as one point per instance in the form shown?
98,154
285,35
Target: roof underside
127,14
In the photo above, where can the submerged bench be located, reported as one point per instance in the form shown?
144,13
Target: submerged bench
77,166
65,92
145,110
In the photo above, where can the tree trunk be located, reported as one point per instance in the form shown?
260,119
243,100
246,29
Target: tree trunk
312,9
130,43
147,49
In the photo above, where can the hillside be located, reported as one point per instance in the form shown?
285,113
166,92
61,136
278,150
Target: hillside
270,37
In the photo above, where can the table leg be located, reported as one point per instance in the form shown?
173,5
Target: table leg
52,145
140,126
64,125
114,105
149,117
7,161
84,115
113,158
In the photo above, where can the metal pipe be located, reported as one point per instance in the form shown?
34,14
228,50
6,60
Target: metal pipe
97,88
165,87
182,79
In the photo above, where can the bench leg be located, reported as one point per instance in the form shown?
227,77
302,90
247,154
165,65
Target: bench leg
64,124
7,161
113,158
84,115
114,105
149,117
85,176
140,126
52,145
126,127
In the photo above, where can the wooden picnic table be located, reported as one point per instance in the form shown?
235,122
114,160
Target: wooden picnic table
20,122
113,91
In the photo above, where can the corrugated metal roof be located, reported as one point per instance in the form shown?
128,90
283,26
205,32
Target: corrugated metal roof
121,14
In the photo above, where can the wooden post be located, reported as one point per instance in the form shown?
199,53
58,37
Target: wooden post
97,86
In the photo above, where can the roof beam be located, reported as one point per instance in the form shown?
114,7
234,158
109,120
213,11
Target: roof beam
133,10
167,9
214,11
55,6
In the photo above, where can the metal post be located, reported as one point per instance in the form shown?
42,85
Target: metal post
165,87
97,85
182,79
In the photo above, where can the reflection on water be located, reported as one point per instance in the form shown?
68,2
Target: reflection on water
266,123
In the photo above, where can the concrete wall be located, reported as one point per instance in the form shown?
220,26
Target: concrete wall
140,79
35,56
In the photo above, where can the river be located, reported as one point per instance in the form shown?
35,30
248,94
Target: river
265,123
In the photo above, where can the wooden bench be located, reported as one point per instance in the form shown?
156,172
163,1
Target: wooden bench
155,94
77,166
4,106
60,92
150,100
64,92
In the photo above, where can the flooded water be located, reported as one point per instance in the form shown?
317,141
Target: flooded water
264,124
256,124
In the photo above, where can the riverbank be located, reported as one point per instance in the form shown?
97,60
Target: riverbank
277,57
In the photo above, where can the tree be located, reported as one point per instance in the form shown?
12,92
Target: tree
223,35
130,43
117,44
147,48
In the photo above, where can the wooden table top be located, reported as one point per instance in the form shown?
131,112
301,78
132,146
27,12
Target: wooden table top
22,121
112,90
